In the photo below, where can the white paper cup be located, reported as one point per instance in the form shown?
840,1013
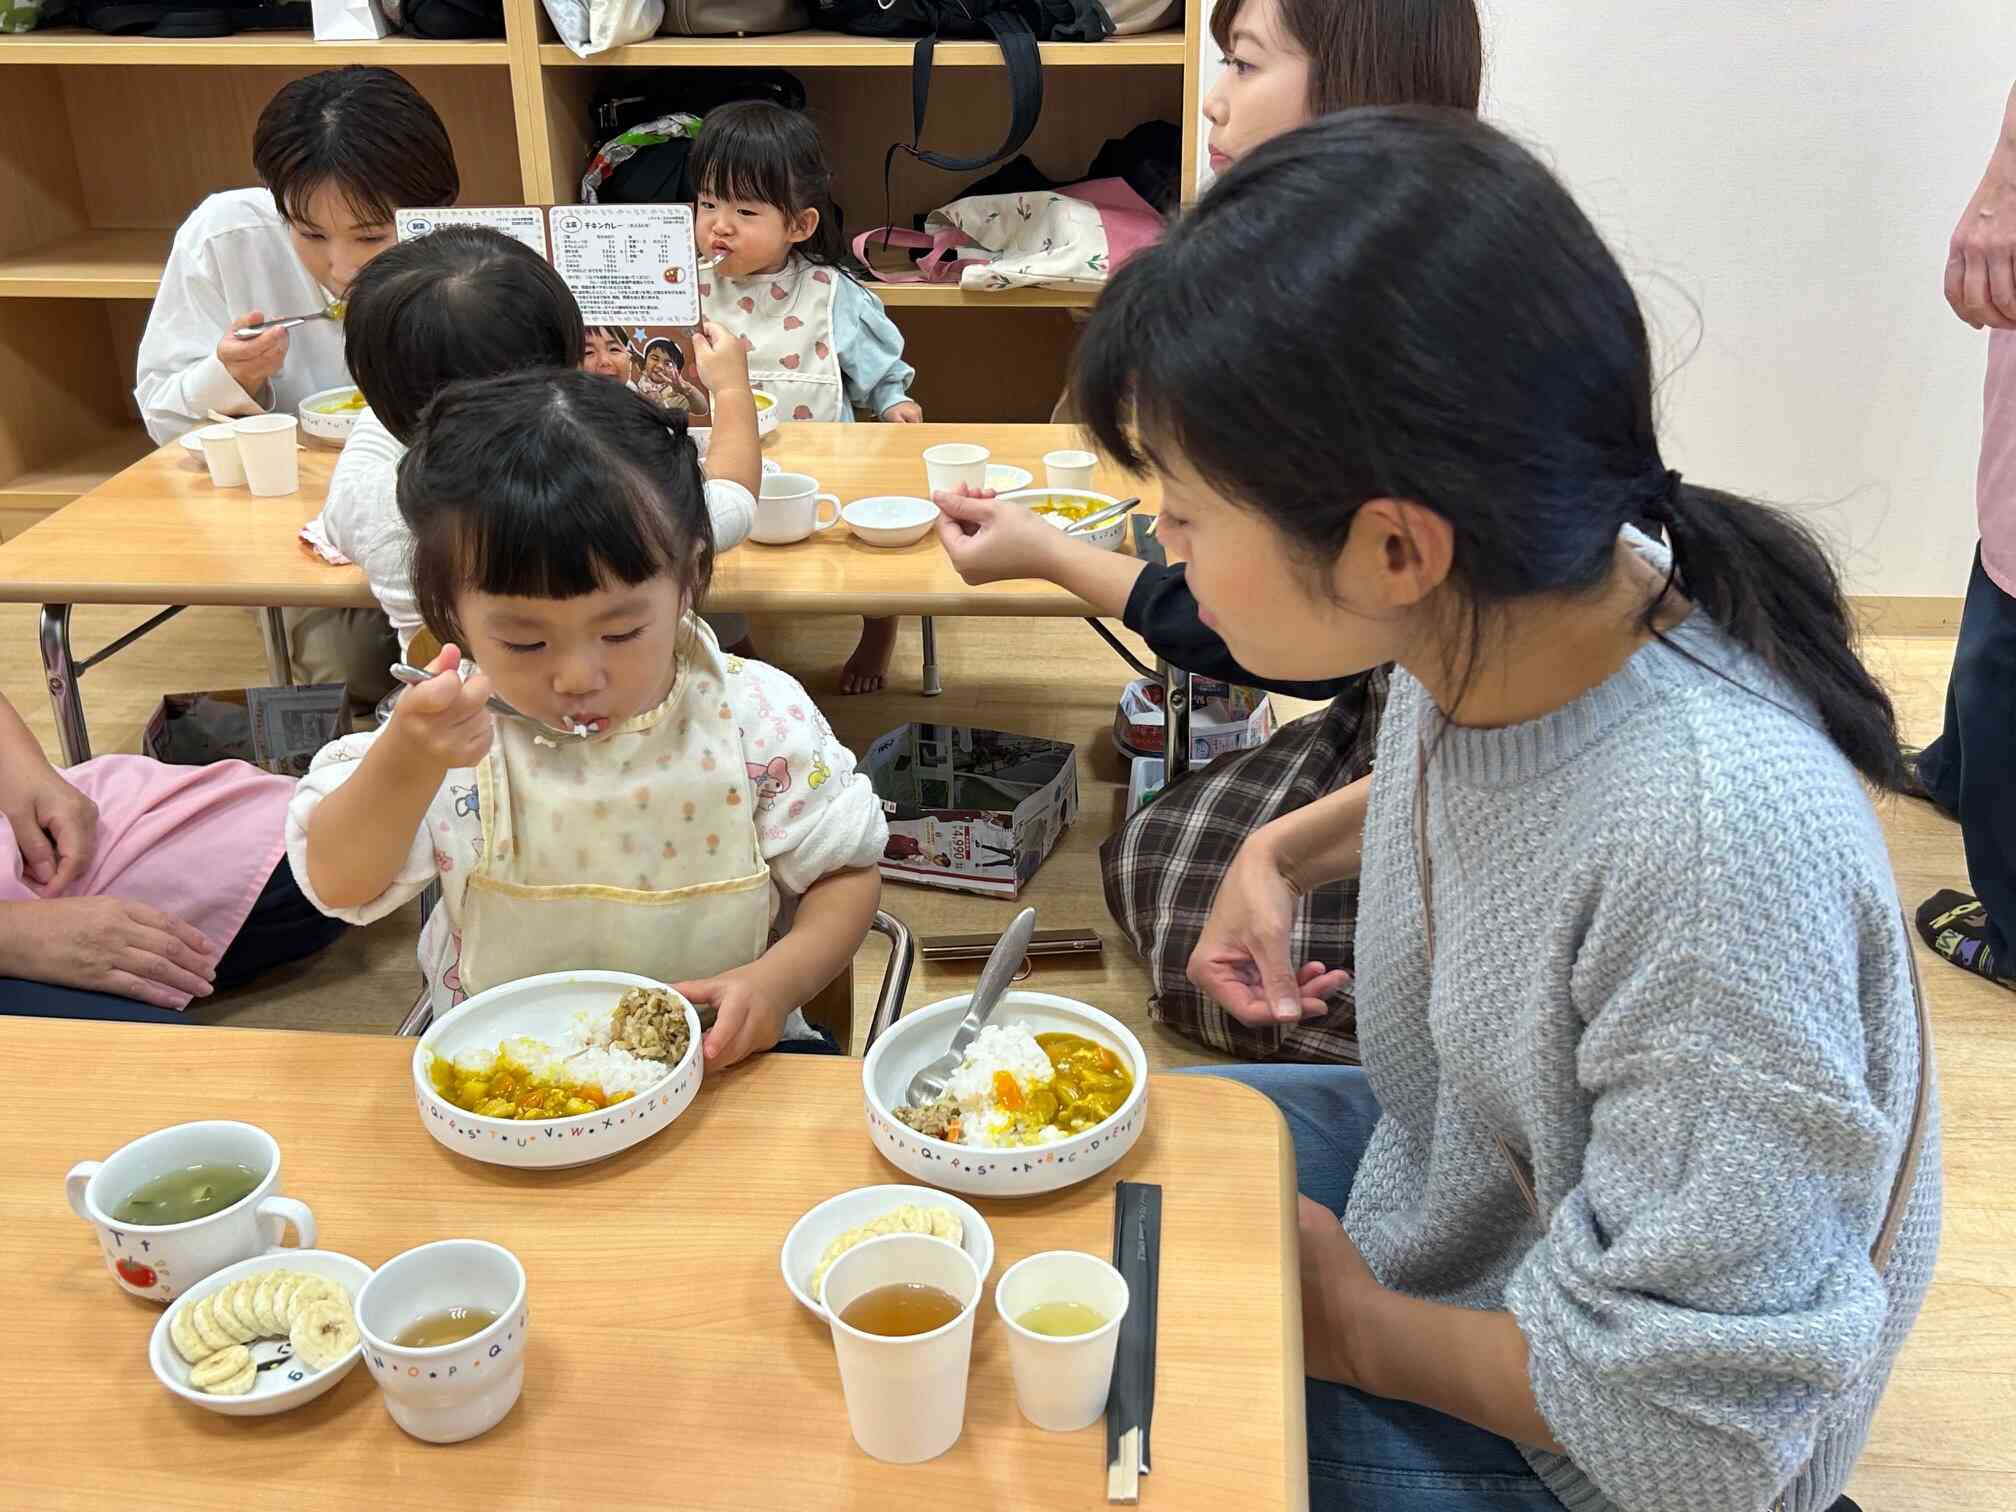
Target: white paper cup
1061,1383
788,509
906,1398
1068,469
954,464
450,1392
220,455
161,1261
269,450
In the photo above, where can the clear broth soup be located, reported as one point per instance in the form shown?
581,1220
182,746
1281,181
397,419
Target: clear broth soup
195,1191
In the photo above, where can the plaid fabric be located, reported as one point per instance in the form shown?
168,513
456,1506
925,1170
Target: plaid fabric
1163,867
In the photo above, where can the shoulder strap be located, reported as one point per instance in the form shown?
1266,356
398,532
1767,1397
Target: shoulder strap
1025,86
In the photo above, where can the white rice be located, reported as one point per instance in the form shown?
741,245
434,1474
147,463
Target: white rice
582,1054
985,1124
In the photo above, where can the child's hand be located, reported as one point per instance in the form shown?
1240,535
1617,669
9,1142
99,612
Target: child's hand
252,363
990,541
723,365
909,412
748,1013
444,722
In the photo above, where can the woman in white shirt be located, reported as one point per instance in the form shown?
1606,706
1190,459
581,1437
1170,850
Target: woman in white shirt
336,153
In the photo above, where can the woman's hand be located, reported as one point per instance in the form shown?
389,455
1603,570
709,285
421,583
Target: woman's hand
1339,1294
909,412
1981,258
1241,959
445,722
721,359
749,1013
108,945
992,542
55,827
253,362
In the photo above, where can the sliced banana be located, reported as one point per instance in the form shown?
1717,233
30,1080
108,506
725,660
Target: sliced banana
283,1292
262,1303
229,1372
226,1321
183,1335
311,1289
238,1297
323,1333
208,1329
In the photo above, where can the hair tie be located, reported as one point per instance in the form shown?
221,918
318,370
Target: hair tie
1662,507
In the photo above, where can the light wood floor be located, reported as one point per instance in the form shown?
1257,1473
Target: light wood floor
1944,1438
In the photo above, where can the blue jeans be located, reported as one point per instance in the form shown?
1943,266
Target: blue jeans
1368,1452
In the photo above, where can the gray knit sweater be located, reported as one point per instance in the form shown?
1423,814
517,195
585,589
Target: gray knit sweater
1670,971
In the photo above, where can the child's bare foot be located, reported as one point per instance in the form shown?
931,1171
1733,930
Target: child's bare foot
867,670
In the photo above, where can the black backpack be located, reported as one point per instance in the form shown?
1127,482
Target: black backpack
190,18
1016,25
447,20
658,173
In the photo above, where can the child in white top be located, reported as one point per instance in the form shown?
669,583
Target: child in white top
818,343
467,302
336,153
559,535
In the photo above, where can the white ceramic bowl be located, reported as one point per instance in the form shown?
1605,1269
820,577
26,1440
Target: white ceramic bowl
282,1384
543,1006
917,1039
811,1234
335,429
890,519
1005,479
192,443
1107,537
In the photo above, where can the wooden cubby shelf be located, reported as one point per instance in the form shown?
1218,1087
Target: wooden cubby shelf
89,265
824,49
87,218
247,50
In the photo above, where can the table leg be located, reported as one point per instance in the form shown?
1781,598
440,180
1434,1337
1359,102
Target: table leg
1176,723
932,686
279,661
65,697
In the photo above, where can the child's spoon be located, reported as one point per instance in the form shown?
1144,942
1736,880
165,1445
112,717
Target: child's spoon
414,676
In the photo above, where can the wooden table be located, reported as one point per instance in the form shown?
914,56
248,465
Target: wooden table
159,533
668,1366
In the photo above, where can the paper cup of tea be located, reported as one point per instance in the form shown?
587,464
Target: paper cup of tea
906,1395
1062,1377
955,464
445,1393
1068,469
788,509
220,455
270,453
160,1261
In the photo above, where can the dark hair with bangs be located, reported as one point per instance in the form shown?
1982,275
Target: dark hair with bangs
366,131
461,302
1379,52
1441,323
550,485
763,154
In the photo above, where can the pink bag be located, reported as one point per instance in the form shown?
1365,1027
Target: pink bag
1070,238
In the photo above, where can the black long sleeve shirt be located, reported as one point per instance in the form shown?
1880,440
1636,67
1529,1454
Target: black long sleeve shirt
1163,611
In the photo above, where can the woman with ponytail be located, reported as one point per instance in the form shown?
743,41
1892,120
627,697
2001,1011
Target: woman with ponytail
1638,1184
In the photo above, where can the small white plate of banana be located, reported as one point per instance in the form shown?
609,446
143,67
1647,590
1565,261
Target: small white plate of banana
264,1335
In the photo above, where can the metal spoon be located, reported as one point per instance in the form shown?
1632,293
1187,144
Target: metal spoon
331,311
1006,959
414,676
1105,516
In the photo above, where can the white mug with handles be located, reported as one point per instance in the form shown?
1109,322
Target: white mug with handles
788,509
161,1261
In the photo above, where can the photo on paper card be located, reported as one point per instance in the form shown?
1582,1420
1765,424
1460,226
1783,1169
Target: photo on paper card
655,361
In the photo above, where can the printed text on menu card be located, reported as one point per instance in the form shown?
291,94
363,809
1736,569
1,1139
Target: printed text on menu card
522,223
630,265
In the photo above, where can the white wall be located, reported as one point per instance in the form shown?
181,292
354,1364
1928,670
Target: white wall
1793,168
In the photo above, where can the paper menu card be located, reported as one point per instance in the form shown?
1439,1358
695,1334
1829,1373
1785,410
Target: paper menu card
632,269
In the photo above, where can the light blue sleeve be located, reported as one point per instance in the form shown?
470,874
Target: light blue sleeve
870,349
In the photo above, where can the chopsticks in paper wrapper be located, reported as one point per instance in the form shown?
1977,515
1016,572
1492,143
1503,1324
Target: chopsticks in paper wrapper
1137,1255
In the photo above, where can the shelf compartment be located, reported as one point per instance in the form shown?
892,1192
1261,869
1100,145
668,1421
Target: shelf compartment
247,50
823,49
88,265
